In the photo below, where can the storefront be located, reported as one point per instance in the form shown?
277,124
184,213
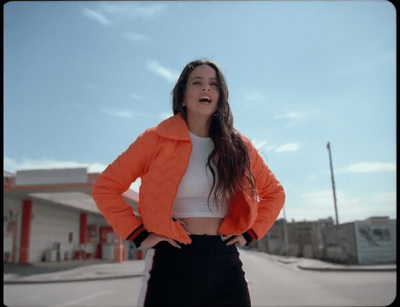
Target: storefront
49,215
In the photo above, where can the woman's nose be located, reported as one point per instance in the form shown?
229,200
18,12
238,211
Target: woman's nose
206,89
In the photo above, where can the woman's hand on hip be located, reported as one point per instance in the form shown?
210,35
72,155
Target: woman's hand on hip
153,239
238,239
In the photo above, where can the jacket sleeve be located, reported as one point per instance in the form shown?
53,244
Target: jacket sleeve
115,180
271,197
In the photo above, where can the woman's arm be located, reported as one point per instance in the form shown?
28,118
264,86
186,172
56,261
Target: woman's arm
271,197
116,179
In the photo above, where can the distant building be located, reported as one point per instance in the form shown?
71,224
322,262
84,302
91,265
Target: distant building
375,240
49,215
372,241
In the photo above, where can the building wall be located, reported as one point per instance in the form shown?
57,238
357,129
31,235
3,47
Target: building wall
300,234
339,243
12,212
54,233
376,241
298,240
53,224
94,222
372,241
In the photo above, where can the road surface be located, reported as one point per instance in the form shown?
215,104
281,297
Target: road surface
271,283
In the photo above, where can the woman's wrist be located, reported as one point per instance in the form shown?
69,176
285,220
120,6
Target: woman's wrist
248,238
140,238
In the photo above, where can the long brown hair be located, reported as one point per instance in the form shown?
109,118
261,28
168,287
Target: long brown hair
230,154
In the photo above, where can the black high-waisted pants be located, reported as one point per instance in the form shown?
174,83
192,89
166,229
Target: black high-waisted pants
204,273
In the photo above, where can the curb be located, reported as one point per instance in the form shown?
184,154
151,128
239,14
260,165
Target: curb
22,282
353,269
326,267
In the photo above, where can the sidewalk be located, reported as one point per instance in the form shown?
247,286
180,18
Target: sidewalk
322,266
97,269
70,271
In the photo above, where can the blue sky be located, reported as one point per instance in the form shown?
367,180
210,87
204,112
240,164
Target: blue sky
83,79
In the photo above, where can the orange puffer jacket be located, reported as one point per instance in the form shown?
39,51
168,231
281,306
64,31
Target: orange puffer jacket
159,157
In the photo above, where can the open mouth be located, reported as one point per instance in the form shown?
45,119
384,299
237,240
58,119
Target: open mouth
205,99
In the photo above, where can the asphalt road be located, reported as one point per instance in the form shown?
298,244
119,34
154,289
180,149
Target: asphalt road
271,283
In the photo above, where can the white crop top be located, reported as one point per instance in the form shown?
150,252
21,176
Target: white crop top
192,197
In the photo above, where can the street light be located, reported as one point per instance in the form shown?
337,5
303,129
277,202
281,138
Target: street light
333,182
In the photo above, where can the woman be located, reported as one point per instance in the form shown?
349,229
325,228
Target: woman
204,189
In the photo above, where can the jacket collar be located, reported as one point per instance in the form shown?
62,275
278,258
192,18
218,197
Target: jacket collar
174,128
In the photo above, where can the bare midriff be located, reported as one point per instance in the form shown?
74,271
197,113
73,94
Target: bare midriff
201,225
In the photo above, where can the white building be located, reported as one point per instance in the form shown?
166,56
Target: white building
49,215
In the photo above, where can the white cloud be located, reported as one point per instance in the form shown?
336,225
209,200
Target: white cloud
133,9
319,204
288,147
124,114
282,148
135,37
259,144
385,197
164,72
108,13
290,115
255,95
12,165
368,167
309,114
148,11
313,205
121,113
96,16
136,97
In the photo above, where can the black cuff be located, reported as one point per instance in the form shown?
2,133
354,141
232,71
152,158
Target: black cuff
140,238
248,238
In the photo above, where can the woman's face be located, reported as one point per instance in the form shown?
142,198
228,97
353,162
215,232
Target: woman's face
202,92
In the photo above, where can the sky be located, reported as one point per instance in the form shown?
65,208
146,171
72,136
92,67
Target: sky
83,79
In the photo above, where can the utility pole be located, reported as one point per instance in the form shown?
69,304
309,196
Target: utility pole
333,183
285,233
